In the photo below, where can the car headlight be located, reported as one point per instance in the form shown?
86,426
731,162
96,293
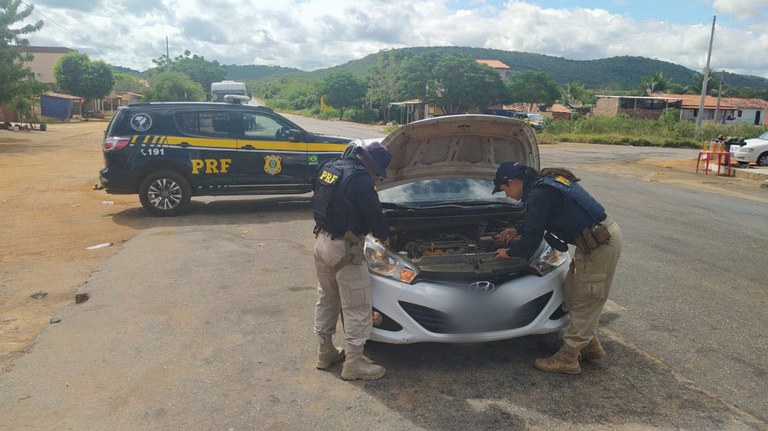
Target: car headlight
547,260
381,261
745,150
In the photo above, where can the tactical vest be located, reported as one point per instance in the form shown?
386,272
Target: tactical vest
580,209
332,210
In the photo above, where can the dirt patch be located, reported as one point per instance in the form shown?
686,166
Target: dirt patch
51,216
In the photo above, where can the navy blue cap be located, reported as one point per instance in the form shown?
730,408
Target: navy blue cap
377,156
507,171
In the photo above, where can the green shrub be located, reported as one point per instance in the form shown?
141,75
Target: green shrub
668,131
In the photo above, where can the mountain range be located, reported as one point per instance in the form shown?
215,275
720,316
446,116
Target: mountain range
614,73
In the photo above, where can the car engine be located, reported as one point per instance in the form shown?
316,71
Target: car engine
451,245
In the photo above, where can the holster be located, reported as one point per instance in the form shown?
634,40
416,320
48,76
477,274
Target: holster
353,247
592,238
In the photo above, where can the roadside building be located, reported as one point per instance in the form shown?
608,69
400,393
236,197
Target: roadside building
713,108
641,107
650,107
59,106
502,69
122,98
749,111
408,111
45,58
558,112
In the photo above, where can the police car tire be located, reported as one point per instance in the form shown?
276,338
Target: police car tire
164,193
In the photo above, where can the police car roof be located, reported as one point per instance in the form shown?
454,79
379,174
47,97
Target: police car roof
201,105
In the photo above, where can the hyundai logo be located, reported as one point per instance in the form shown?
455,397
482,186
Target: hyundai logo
482,287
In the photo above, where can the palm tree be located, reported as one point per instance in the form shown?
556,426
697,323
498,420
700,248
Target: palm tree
655,83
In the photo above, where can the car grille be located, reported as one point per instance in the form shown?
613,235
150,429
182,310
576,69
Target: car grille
442,323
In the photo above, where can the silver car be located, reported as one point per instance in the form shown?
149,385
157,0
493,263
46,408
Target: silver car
437,280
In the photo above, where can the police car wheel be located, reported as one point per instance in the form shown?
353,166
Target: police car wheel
164,193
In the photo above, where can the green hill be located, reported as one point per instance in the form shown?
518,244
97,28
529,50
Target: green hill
615,73
257,73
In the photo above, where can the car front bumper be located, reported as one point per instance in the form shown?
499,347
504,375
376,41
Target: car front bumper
435,312
744,158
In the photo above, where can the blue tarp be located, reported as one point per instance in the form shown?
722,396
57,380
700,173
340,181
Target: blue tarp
56,107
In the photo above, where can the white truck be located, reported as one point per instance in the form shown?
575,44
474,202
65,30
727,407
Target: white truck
224,88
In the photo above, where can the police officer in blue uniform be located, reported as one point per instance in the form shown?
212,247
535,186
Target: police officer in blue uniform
346,208
559,210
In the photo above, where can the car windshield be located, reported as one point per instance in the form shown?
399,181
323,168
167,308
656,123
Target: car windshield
438,191
764,136
535,117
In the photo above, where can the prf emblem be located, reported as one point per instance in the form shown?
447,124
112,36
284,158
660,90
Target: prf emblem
327,178
272,165
562,180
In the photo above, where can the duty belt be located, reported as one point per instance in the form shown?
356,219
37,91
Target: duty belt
346,235
353,248
591,238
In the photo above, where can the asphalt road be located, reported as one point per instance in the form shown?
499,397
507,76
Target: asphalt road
204,321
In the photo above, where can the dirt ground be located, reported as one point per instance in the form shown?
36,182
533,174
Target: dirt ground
51,215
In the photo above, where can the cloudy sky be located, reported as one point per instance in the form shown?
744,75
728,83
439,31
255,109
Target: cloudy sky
315,34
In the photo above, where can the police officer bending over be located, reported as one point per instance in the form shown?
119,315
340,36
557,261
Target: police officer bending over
346,208
556,204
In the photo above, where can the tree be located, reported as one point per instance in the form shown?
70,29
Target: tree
575,92
12,69
172,86
712,80
657,82
125,82
196,67
342,90
384,83
76,74
456,83
534,88
26,96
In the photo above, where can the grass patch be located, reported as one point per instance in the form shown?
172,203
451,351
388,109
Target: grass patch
621,130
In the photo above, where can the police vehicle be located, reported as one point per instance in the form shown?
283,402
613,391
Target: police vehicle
168,152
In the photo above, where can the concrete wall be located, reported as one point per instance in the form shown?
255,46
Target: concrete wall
606,107
748,117
42,65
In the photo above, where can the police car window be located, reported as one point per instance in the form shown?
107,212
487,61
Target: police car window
204,123
257,126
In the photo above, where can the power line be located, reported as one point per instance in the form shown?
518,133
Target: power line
88,41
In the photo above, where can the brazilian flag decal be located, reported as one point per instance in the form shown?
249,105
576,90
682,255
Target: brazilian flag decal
312,159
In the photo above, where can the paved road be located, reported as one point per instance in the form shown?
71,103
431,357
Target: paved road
204,322
693,271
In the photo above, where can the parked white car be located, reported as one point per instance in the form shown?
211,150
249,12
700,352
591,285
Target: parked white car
437,280
754,151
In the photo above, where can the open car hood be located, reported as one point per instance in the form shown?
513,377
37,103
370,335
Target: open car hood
470,146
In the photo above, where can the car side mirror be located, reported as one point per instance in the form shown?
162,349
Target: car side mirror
294,135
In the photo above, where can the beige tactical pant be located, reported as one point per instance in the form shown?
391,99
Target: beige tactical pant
586,288
348,291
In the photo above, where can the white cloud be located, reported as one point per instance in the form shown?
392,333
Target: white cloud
314,34
742,10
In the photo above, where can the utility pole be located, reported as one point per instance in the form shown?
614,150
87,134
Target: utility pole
700,117
168,55
719,92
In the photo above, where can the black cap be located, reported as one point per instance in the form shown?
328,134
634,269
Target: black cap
505,172
377,156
